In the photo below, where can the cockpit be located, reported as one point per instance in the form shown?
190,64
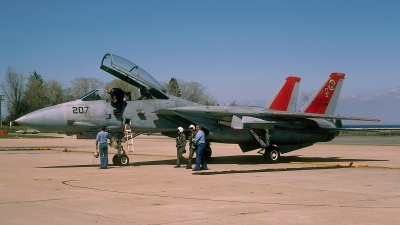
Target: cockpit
94,95
129,72
91,96
134,75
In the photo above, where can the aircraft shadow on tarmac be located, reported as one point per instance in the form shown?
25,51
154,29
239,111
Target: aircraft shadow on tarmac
239,160
210,172
267,170
258,159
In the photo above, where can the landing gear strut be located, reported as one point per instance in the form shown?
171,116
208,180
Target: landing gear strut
120,159
270,152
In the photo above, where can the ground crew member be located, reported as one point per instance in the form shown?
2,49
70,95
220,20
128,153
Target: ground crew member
192,147
201,148
101,138
180,146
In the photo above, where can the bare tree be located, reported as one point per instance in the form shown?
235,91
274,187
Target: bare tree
81,86
233,103
67,95
192,91
196,92
210,100
305,96
13,89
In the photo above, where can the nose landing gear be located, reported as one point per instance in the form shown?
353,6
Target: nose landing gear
120,159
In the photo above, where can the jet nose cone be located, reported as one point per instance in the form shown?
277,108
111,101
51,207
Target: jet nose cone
47,119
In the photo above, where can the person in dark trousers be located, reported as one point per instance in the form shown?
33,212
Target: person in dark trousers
192,147
180,146
117,96
101,138
200,142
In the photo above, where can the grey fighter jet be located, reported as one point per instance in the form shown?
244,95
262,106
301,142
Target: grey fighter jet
275,129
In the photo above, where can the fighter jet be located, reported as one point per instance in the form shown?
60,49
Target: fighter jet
274,129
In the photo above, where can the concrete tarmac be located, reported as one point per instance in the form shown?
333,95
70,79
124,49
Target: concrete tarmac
58,181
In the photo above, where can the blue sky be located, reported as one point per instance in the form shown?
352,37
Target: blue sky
239,50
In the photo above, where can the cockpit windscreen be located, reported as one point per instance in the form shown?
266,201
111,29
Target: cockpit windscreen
91,96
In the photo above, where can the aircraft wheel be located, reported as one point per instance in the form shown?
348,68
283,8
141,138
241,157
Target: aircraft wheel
272,155
115,160
124,160
209,153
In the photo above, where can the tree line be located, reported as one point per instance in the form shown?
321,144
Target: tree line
191,91
25,94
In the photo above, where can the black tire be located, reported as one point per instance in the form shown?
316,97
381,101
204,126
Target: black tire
115,160
272,155
209,153
124,160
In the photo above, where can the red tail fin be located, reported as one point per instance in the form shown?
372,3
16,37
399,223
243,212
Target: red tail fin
286,98
324,101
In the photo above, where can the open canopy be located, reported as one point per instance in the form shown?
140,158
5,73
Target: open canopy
132,74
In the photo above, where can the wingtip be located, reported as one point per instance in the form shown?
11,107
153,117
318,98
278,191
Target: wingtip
365,119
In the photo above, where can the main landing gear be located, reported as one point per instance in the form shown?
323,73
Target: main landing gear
270,153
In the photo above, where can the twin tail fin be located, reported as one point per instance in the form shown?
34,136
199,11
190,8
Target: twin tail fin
324,101
286,97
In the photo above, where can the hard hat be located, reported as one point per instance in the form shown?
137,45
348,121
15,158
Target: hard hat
180,129
191,127
96,154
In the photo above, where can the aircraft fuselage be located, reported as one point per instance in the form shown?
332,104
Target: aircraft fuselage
84,118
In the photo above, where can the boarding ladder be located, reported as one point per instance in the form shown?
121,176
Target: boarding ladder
129,138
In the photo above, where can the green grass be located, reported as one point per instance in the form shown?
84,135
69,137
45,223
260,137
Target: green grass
13,128
24,136
13,135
